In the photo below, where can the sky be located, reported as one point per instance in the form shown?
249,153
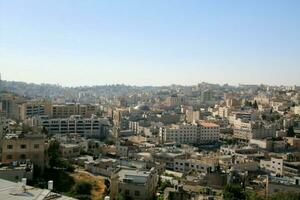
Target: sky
150,42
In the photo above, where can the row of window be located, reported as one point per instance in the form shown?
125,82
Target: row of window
23,146
22,156
127,192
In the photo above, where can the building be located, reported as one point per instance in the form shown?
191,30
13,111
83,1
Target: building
175,100
10,105
34,108
270,144
274,166
183,134
88,127
23,147
21,191
206,96
16,171
126,148
297,110
70,150
135,184
69,109
209,132
246,130
192,116
200,133
188,165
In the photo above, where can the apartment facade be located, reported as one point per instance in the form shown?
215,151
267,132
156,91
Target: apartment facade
187,165
20,148
246,130
67,110
34,108
136,184
275,166
89,127
200,133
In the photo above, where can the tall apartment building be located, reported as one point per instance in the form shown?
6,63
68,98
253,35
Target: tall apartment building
34,108
89,127
135,184
175,100
22,147
183,134
208,132
200,133
246,130
206,95
67,110
275,166
10,105
121,118
192,115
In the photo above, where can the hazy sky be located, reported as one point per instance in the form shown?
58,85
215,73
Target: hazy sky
150,42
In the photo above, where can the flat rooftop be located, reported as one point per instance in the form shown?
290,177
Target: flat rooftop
13,191
208,124
137,176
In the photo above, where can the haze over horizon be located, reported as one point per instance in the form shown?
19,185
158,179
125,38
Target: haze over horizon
75,43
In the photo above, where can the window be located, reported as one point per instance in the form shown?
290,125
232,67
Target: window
137,193
9,157
36,146
23,146
22,156
126,192
10,146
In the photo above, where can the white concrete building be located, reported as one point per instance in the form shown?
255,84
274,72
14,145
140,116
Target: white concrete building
186,165
90,127
275,166
200,133
183,134
246,130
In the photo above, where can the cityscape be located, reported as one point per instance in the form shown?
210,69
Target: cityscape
149,100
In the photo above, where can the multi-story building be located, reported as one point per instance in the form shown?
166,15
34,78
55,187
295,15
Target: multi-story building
192,115
89,127
69,109
22,147
10,106
134,184
121,119
206,95
175,100
70,150
297,110
246,130
126,149
187,165
183,134
275,166
34,108
200,133
209,132
281,167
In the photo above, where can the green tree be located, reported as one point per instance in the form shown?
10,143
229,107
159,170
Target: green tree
164,185
254,105
233,192
291,132
54,155
251,195
83,188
